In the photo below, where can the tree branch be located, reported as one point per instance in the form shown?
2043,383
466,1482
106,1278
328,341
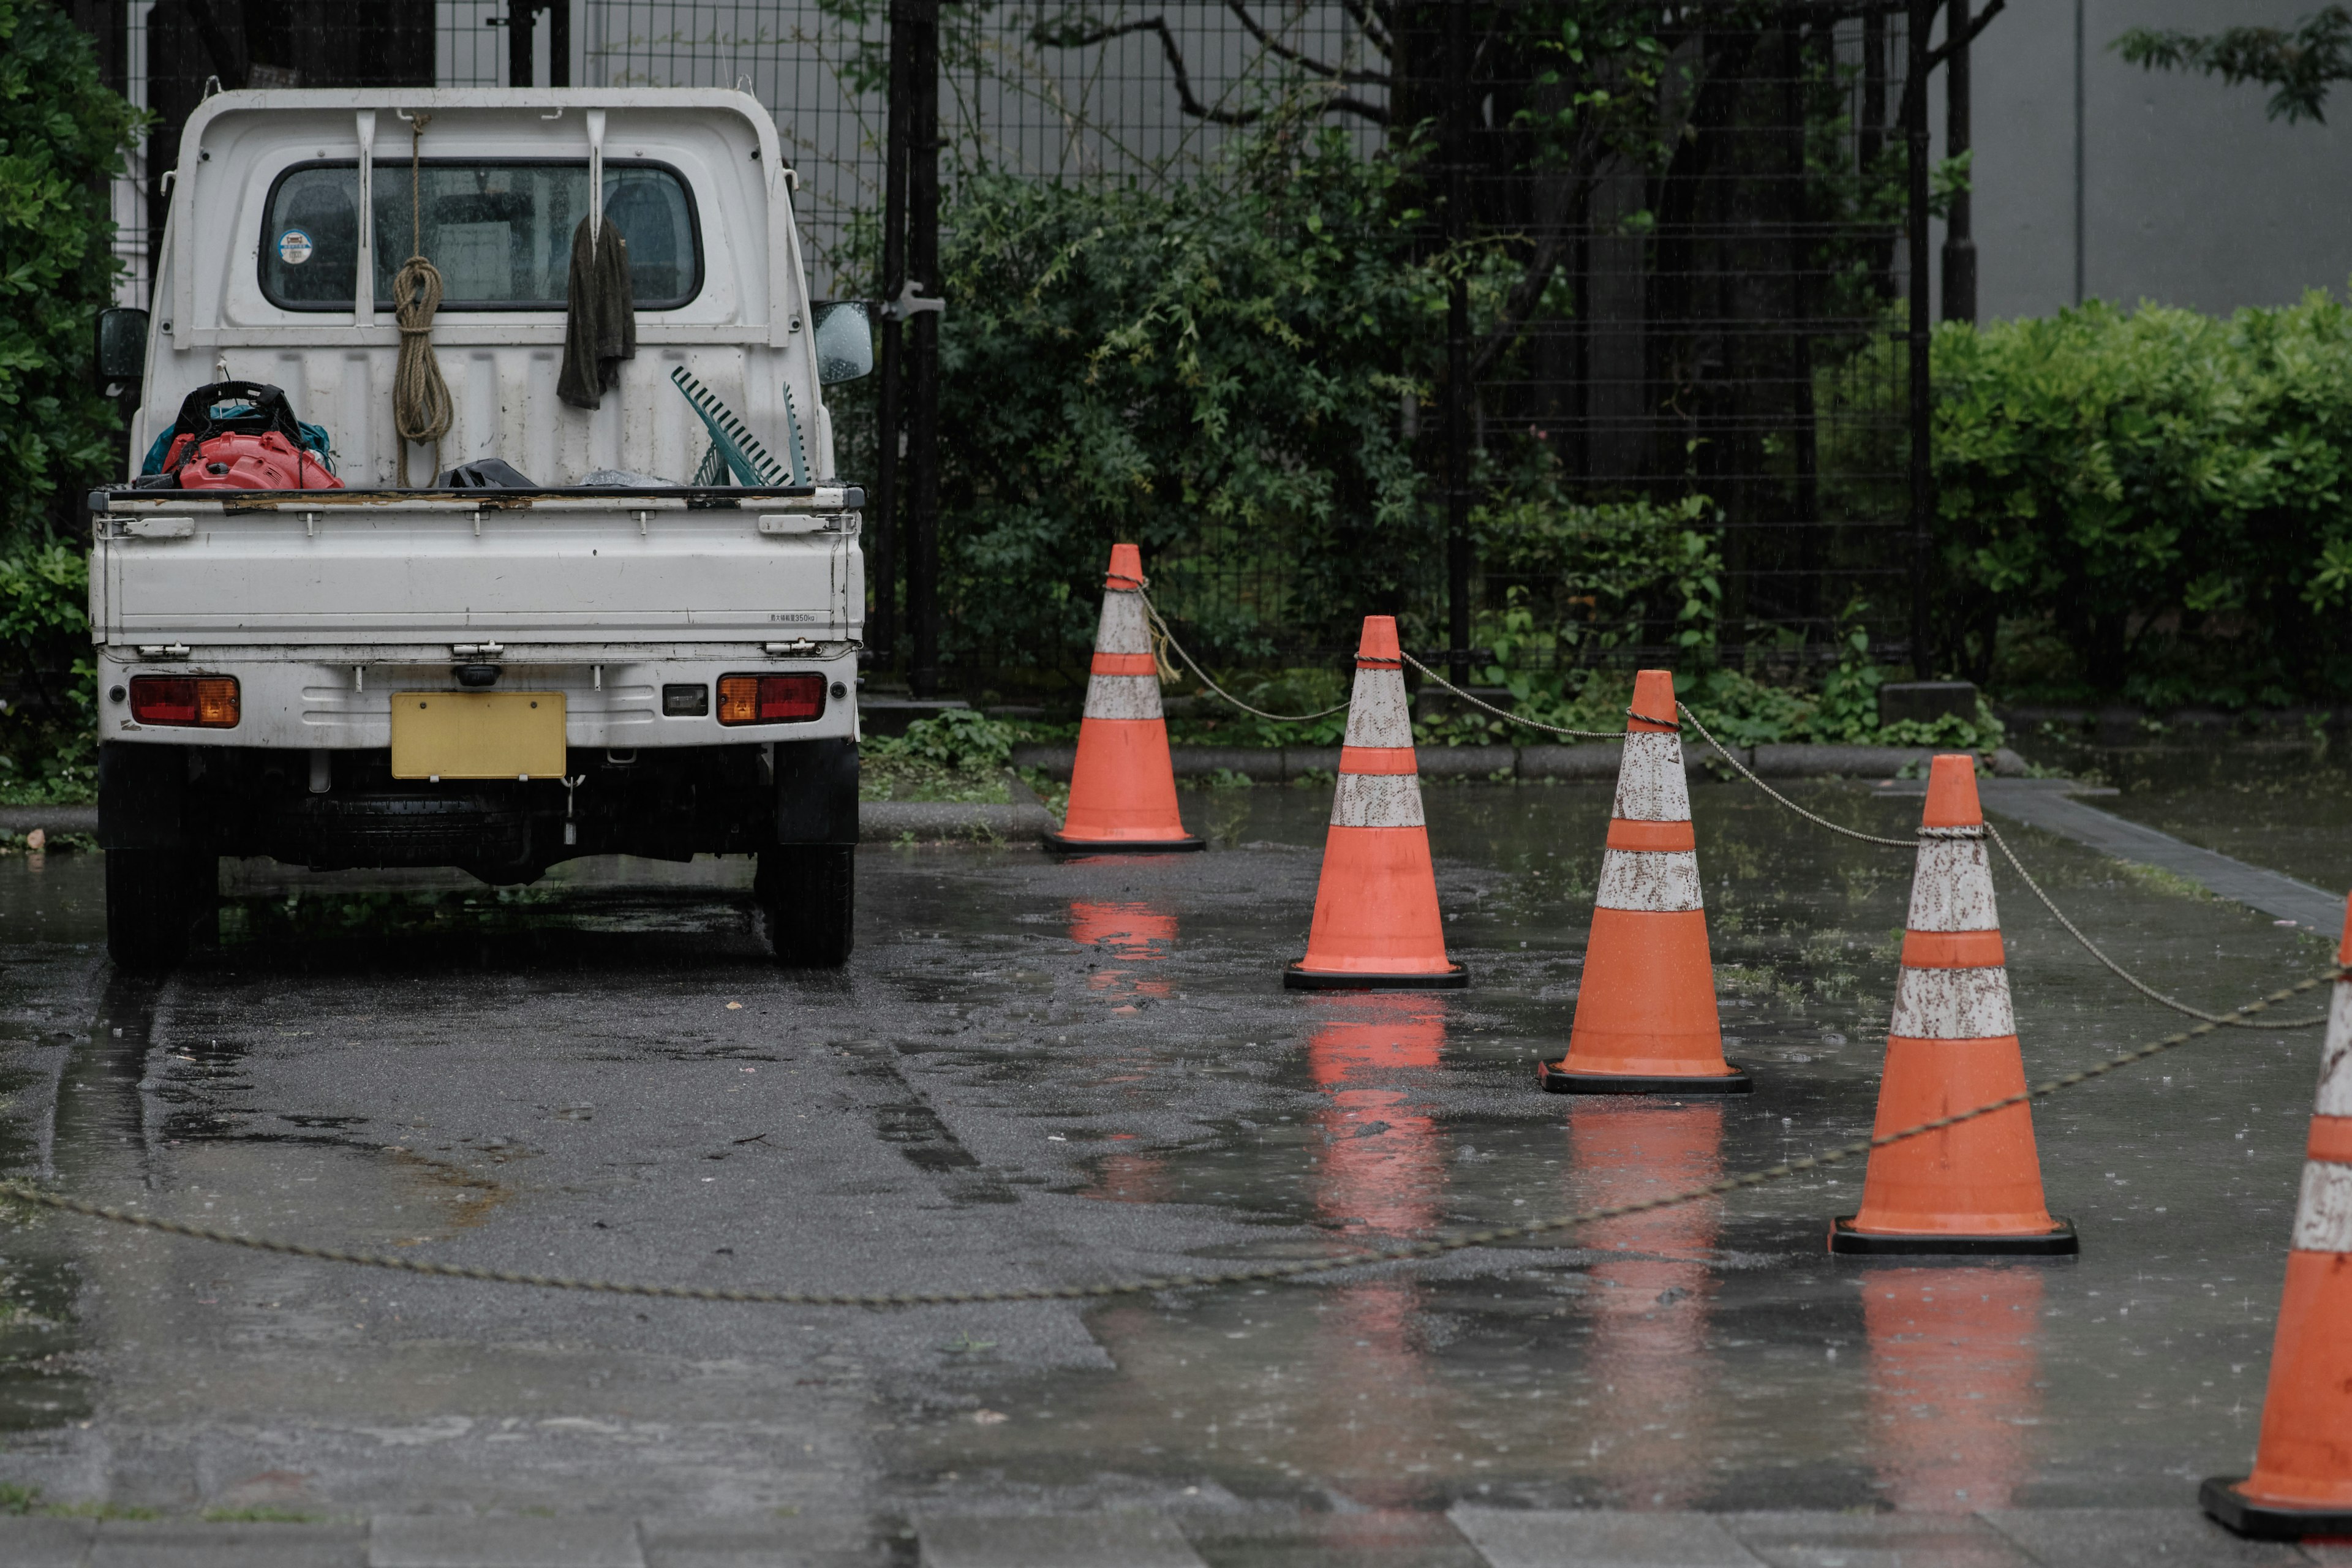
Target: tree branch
1048,37
1944,50
1298,58
1085,38
1376,31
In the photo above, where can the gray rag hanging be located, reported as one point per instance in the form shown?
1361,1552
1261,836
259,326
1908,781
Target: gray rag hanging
600,317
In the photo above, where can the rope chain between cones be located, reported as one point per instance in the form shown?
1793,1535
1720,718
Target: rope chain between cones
1160,629
1438,1247
1434,677
1682,710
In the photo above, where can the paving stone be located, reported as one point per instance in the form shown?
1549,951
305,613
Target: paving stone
190,1543
1575,1538
2279,897
45,1543
438,1541
723,1544
1876,1541
1379,1538
1083,1540
2132,1538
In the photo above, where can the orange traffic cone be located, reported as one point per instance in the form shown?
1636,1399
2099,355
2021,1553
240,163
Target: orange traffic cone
1376,920
2302,1484
1123,788
1645,1016
1975,1187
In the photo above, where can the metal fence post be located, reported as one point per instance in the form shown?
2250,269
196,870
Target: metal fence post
1457,347
882,548
923,269
1922,386
1960,243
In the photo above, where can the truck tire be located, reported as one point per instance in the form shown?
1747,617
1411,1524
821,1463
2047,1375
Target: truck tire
151,903
809,894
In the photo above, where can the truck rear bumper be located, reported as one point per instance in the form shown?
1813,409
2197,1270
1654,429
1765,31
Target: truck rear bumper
351,813
312,699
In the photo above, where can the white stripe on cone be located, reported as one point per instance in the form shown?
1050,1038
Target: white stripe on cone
1377,800
1122,628
1952,889
1952,1004
2323,1219
2336,1056
1378,713
1123,696
1650,783
1649,881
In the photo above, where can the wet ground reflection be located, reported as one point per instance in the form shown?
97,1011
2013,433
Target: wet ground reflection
1955,1382
1650,1289
1049,1072
1380,1177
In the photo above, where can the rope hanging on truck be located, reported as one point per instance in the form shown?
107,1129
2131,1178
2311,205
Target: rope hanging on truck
421,411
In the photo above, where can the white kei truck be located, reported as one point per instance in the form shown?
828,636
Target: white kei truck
631,651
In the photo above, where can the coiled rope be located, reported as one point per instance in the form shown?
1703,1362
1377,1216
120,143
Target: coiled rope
1438,1246
421,410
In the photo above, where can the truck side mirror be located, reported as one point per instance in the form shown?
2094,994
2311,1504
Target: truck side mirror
121,351
844,341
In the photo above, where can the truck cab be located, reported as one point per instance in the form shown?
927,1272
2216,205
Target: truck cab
627,629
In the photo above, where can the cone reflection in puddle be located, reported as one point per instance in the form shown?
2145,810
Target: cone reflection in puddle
1130,933
1380,1177
1954,1383
1647,1364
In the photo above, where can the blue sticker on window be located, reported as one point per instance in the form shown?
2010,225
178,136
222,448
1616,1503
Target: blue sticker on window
294,247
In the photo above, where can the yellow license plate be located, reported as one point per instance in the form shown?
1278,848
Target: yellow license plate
477,734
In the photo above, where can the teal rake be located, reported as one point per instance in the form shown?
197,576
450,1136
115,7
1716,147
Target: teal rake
730,440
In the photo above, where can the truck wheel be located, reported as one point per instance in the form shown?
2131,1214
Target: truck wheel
809,893
150,905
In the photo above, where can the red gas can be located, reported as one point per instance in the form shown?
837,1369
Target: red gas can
235,462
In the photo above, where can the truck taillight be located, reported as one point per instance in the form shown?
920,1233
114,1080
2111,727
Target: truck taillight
769,699
201,701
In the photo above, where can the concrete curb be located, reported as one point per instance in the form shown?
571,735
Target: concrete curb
1597,760
887,821
22,819
1149,1537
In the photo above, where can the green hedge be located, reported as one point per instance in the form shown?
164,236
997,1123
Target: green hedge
2150,505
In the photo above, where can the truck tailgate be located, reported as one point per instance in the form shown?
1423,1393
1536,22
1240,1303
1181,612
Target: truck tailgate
552,570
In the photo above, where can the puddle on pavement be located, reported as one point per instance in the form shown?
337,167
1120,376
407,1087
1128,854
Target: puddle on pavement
52,919
1710,1355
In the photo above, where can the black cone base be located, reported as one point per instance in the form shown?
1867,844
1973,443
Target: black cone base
1555,1081
1062,846
2059,1243
2268,1521
1294,978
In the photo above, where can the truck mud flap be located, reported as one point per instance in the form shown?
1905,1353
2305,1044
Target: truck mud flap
816,792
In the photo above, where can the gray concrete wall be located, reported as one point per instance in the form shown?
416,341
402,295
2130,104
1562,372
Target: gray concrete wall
2190,194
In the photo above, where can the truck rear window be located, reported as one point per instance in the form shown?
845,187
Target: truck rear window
501,233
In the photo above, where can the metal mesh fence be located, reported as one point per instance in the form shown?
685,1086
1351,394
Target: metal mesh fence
1686,374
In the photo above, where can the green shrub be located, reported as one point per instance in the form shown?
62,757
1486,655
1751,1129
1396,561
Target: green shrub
62,135
2164,491
1211,370
959,755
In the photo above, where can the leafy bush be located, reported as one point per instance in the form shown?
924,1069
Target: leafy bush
46,752
2165,492
62,135
1212,367
1596,577
960,756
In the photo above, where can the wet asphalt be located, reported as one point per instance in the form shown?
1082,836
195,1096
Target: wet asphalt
1040,1073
